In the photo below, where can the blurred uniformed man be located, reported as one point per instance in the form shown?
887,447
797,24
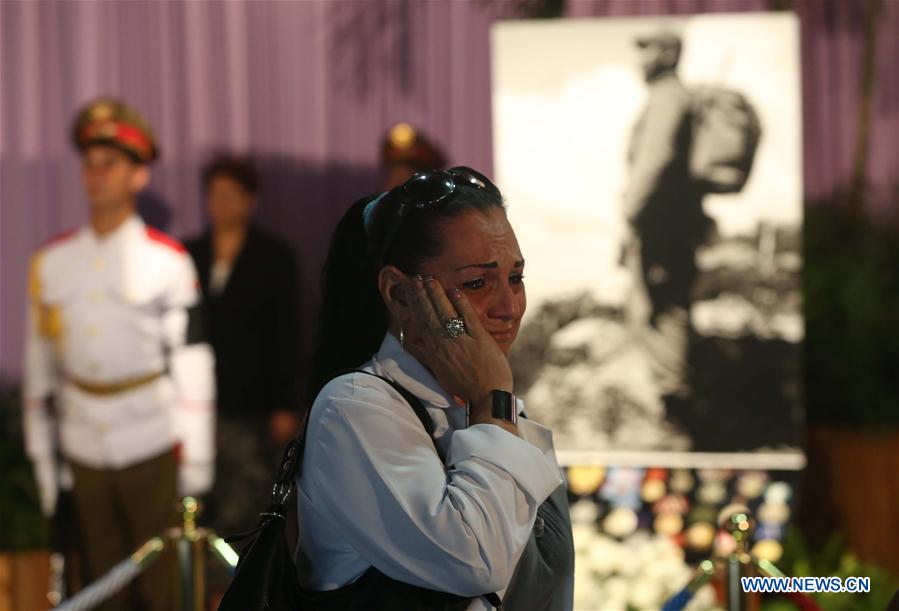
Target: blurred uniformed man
406,150
663,206
114,339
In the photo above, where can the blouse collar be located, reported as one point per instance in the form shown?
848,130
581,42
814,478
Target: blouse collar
394,362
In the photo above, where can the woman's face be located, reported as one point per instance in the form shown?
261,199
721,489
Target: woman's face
481,258
229,205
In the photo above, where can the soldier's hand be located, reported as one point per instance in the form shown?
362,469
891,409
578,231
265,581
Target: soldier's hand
195,479
283,425
47,479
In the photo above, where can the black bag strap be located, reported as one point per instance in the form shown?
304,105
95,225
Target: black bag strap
413,401
284,487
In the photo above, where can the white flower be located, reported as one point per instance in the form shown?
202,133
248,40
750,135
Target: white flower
647,594
604,556
615,592
629,564
584,512
703,599
587,593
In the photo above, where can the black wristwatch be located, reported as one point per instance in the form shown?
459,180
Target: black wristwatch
505,407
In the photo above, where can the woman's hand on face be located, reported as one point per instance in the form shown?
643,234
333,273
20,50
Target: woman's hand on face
469,366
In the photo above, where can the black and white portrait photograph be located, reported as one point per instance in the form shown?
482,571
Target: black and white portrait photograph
653,170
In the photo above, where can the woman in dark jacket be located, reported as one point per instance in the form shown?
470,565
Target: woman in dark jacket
249,287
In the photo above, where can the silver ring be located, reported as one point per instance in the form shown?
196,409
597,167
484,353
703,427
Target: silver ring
454,327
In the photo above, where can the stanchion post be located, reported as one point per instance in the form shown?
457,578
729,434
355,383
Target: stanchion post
221,550
741,526
740,563
189,545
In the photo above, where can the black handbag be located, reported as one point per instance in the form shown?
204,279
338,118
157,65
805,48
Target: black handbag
266,576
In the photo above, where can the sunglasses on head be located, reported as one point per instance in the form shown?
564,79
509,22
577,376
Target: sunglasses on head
422,191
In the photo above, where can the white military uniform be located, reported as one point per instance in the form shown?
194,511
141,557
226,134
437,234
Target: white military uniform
109,339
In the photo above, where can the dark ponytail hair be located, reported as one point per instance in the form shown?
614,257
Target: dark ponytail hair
353,319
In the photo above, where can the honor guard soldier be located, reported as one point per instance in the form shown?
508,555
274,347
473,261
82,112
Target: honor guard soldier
115,341
406,150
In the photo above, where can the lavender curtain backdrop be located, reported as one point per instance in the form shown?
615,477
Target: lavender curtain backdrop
309,88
